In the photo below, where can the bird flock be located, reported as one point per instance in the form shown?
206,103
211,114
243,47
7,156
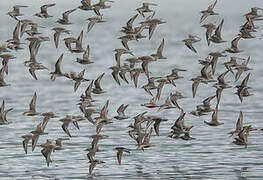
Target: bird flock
142,125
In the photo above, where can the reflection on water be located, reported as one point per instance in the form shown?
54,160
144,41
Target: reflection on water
210,156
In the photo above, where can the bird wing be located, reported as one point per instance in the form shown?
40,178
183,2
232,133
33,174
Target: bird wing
160,49
97,81
32,105
151,29
194,87
86,53
218,30
58,64
119,156
239,125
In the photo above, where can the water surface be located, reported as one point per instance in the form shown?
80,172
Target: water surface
211,156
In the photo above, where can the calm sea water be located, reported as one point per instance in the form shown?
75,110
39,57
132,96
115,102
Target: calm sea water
211,156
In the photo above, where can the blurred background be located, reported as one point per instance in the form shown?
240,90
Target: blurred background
211,156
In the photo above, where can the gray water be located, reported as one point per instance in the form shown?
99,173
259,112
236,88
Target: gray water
211,156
